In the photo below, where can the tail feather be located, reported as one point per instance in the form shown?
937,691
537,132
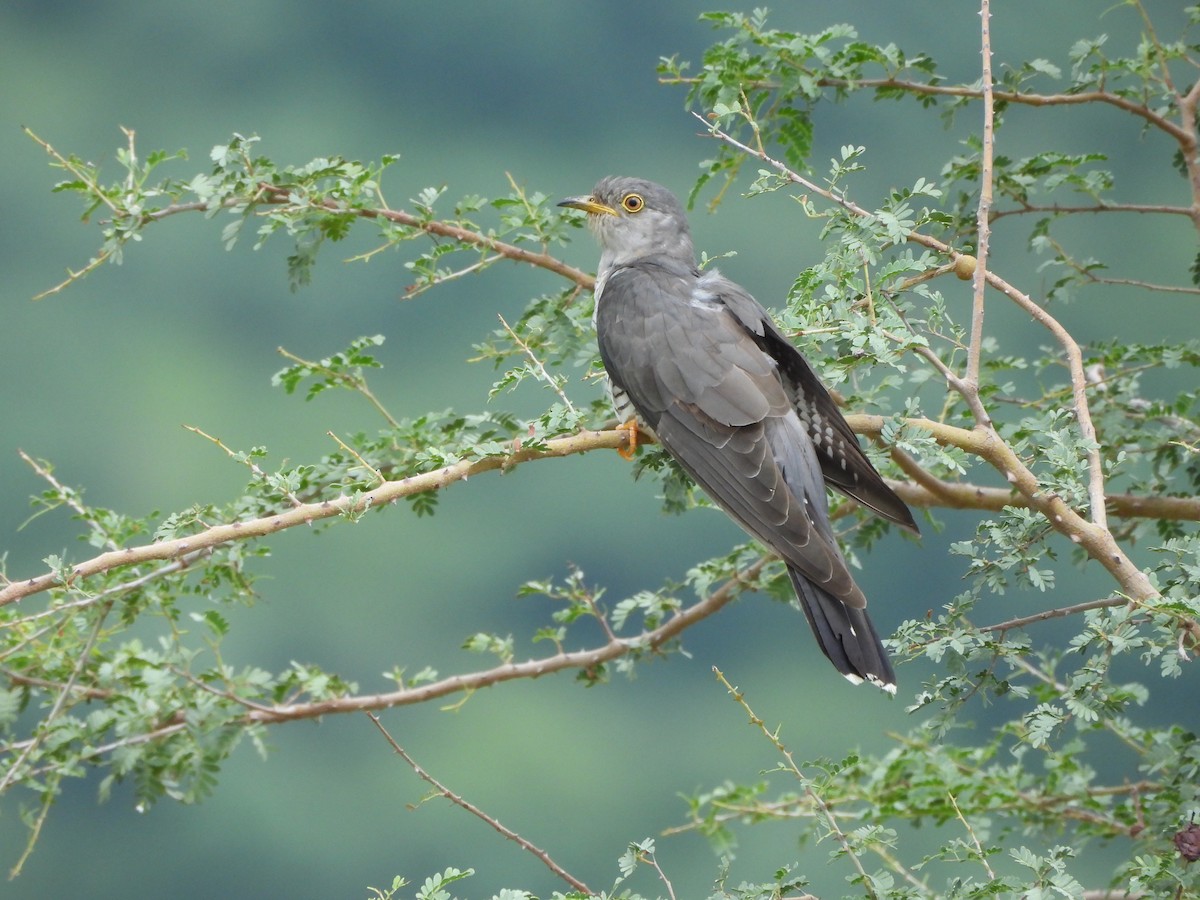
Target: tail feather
845,635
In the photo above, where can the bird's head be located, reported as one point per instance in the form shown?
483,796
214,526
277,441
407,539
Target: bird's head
634,219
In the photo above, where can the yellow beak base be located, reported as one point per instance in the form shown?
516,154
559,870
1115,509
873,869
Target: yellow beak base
589,205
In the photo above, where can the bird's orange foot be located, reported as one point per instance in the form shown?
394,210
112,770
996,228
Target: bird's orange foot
631,427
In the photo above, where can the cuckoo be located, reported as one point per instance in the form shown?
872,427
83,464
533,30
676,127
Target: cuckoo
698,363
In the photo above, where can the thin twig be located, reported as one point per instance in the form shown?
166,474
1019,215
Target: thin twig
826,813
652,859
974,839
983,214
1101,207
542,373
248,461
479,813
354,383
362,462
1057,613
416,289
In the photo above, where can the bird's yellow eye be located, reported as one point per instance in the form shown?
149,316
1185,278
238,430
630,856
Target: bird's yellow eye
633,203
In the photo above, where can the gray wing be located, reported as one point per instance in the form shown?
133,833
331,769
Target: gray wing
716,401
843,463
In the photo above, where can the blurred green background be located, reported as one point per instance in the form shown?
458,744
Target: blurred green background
100,379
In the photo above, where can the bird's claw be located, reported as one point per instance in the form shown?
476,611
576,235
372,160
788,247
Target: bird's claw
630,449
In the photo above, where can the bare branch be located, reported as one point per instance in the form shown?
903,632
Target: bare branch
1102,207
479,813
983,215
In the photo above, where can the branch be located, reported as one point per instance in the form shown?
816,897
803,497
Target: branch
1093,536
1178,132
613,648
925,490
281,195
1058,613
479,813
1101,207
307,513
1078,389
966,495
1162,123
533,668
983,214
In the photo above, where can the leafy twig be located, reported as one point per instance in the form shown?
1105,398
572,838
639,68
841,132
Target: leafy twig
543,375
247,460
307,513
354,382
14,769
362,462
974,839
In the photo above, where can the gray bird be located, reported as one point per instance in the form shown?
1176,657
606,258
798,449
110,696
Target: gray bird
695,360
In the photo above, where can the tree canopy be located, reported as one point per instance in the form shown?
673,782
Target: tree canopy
1046,411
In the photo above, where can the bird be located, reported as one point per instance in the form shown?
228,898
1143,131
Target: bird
698,364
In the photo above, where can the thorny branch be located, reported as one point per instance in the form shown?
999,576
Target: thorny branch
614,648
479,813
1093,536
925,491
306,513
820,807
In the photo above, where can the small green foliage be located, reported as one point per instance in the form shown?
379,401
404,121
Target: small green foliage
344,369
652,605
1033,740
434,887
501,648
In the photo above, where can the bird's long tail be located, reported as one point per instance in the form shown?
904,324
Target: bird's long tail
845,634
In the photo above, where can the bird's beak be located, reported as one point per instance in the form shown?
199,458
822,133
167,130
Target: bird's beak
589,205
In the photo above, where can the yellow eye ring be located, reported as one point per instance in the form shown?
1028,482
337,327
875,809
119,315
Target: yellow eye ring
633,203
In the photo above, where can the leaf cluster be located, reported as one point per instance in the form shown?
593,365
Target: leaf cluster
1033,742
